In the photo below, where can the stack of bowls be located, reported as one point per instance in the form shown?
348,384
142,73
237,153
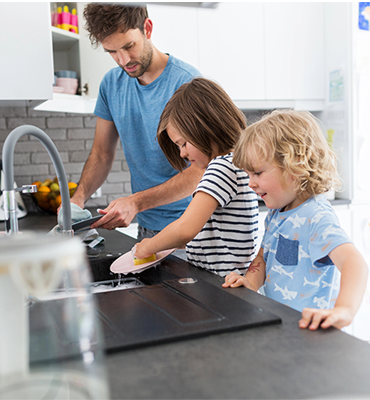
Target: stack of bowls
67,80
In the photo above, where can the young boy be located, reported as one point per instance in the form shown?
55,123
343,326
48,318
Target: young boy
290,166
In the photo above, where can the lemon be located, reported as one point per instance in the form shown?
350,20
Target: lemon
54,187
72,188
47,182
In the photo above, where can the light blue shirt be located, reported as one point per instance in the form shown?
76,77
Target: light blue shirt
296,244
135,111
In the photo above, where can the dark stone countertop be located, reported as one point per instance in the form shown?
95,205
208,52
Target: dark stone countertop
278,361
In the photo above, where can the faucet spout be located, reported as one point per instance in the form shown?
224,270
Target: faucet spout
10,209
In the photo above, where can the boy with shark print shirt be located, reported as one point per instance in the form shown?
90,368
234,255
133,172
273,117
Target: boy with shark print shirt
304,251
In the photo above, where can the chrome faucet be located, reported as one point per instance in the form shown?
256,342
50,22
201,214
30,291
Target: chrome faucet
10,205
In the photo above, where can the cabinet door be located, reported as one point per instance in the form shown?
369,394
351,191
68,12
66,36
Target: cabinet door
95,63
175,31
294,51
26,67
231,48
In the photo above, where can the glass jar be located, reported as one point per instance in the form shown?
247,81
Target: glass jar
51,344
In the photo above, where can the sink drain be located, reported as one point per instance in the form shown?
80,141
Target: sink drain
185,281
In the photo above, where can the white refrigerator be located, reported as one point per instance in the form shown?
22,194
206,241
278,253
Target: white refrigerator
346,118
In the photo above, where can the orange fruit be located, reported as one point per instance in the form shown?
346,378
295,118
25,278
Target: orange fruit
37,183
72,188
58,200
42,193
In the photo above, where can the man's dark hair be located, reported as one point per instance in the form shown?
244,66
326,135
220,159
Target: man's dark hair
103,20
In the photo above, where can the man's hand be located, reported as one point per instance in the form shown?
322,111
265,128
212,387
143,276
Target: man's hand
313,318
119,214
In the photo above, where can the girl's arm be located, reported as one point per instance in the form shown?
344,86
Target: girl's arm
354,273
253,279
181,231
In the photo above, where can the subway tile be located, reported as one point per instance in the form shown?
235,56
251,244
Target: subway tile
84,133
61,122
29,170
69,145
90,122
78,156
13,123
22,158
122,176
113,188
13,111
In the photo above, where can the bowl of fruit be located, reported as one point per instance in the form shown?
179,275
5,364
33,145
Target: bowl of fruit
47,197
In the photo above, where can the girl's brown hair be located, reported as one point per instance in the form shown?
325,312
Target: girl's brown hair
103,20
293,141
202,113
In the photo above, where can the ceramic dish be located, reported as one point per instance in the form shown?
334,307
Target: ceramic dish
58,89
125,263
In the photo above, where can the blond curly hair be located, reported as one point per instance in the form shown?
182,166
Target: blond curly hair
293,141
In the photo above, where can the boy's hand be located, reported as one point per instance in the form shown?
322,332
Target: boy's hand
338,317
235,280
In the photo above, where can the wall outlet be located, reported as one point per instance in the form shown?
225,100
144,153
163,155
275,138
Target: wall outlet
96,194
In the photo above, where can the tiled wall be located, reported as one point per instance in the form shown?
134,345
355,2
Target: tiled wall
73,135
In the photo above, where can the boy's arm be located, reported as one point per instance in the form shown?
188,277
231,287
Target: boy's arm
253,279
182,230
354,273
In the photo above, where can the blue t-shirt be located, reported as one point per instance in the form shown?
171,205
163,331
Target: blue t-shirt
135,111
296,245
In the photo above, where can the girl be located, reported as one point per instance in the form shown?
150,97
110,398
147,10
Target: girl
201,125
290,166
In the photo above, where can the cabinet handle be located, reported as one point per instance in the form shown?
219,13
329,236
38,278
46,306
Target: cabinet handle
85,89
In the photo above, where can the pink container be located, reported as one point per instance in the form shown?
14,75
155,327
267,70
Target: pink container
68,84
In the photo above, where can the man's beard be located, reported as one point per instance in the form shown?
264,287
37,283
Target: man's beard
143,62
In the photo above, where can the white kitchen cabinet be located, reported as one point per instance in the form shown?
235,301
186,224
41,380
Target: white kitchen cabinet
74,52
294,42
26,67
95,63
231,48
265,55
170,36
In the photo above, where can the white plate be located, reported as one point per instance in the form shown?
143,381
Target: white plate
125,263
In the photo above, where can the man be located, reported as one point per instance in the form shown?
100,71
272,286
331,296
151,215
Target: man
130,102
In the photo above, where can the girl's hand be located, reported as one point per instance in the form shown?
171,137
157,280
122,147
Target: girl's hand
313,318
235,280
139,250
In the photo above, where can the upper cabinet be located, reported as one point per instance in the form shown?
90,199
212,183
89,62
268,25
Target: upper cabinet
294,44
73,51
231,48
175,31
265,55
26,67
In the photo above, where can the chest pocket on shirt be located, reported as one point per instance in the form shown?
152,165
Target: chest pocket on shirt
287,251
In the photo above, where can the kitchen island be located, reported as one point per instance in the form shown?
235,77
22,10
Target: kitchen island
278,361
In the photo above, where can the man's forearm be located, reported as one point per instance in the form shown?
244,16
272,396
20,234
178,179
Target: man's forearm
178,187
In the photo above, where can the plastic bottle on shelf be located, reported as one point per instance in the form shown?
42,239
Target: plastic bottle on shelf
74,21
54,14
59,23
65,18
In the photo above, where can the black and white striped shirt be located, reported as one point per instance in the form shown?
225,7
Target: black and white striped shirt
227,242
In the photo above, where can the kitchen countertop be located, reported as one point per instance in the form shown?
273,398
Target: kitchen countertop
278,361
